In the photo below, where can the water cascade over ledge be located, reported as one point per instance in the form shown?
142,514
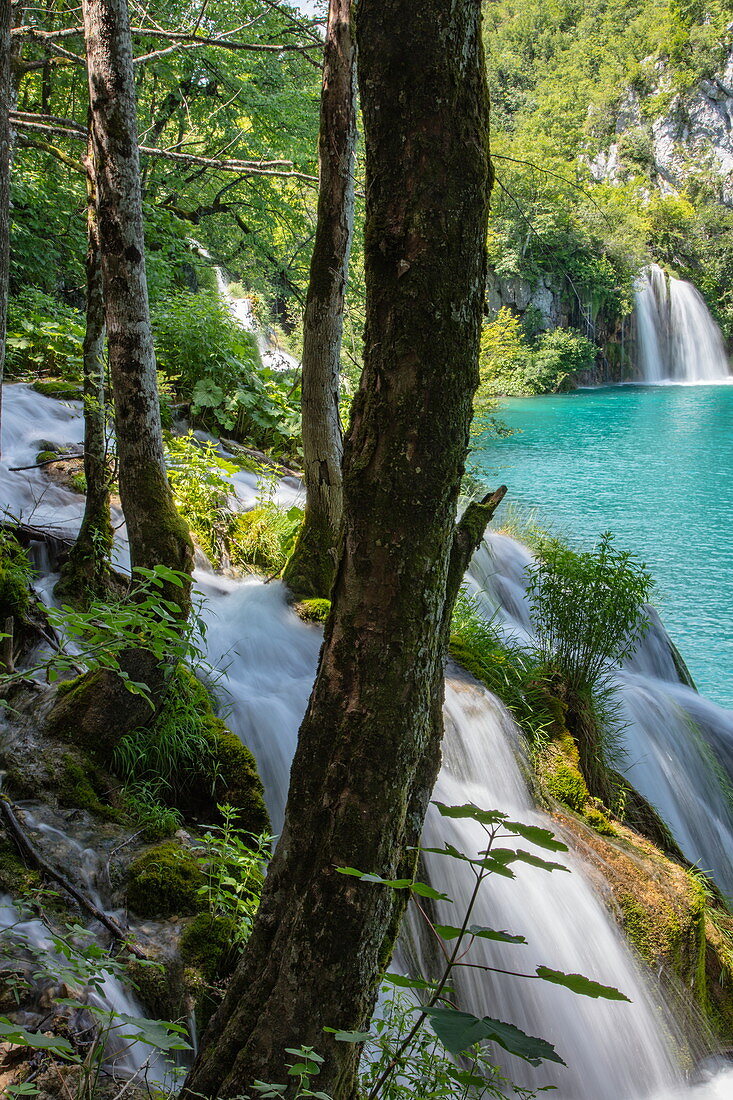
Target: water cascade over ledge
614,1051
678,340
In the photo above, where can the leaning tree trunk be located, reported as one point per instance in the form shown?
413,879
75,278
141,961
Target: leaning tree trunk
369,746
86,573
311,568
6,96
156,532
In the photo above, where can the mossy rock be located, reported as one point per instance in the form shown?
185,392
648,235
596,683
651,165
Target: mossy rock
559,774
664,913
228,772
60,389
16,879
210,945
83,785
313,611
159,985
164,882
15,574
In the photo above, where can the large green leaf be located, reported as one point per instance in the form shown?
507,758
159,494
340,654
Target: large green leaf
450,932
459,1031
584,986
485,817
543,838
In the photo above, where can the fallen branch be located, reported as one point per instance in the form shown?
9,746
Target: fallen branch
28,850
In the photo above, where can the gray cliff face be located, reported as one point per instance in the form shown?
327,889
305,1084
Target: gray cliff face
691,136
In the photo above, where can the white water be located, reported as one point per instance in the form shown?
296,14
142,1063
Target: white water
614,1051
272,355
678,339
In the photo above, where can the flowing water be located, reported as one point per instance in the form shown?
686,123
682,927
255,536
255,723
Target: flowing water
678,339
614,1051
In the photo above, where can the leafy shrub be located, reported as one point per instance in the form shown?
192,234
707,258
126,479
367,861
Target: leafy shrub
262,539
200,490
587,608
44,336
233,863
510,365
214,366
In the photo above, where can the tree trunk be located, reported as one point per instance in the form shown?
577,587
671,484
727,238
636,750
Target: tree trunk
156,532
86,571
6,96
311,568
369,746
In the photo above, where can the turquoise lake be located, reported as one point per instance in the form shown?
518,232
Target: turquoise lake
655,466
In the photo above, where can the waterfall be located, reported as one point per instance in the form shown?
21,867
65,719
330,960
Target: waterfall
268,657
678,339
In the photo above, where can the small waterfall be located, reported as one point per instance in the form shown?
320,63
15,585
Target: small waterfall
272,355
678,339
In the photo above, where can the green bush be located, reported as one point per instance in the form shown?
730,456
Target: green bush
586,609
510,364
200,490
44,336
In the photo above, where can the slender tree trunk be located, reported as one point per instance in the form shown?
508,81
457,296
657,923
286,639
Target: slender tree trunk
311,568
369,746
86,572
156,532
6,97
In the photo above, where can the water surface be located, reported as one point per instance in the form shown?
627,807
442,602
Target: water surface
654,465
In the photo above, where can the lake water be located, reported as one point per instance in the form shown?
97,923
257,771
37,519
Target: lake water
655,466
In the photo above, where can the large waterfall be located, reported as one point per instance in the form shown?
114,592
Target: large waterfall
614,1051
678,339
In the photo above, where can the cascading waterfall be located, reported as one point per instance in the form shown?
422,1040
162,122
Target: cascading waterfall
268,658
678,339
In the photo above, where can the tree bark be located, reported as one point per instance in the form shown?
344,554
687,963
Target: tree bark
86,571
312,565
6,98
369,746
157,534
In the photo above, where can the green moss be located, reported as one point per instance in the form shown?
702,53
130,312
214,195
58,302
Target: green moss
164,882
79,784
227,772
598,821
15,575
209,944
159,986
78,482
559,773
46,456
313,611
62,391
15,878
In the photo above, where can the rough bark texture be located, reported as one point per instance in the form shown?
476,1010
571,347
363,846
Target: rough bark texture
369,746
156,532
312,566
6,96
86,571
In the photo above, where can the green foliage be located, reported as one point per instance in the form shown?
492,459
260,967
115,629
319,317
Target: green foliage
509,670
587,609
214,366
200,491
234,864
16,574
510,364
262,540
44,336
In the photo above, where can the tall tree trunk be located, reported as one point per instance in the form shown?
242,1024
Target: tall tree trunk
369,746
156,532
6,96
86,572
312,566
